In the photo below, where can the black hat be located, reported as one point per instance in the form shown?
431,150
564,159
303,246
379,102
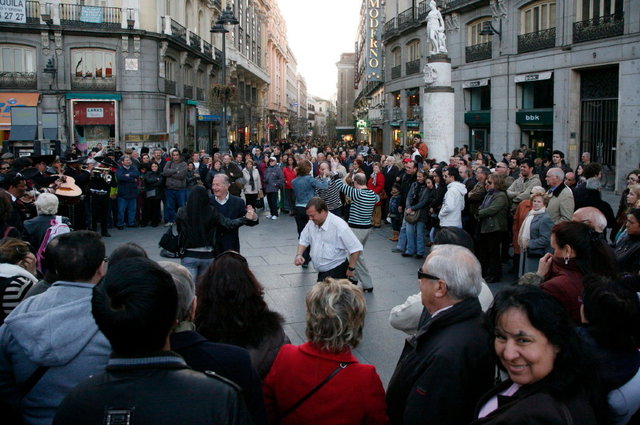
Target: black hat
106,161
29,173
73,158
47,159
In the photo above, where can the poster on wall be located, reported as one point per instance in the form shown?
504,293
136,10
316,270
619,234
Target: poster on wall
13,11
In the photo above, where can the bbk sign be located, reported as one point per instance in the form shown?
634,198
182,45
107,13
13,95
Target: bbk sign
13,11
532,117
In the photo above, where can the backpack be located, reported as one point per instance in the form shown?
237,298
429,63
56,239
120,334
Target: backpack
57,227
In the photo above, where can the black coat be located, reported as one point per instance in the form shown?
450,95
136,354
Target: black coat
230,361
36,228
210,237
169,394
443,370
390,174
232,209
584,197
531,405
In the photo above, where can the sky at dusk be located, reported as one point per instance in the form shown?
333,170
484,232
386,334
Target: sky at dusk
318,32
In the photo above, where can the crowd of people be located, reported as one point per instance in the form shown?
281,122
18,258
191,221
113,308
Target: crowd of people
87,338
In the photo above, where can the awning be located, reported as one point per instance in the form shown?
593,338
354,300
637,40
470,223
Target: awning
95,96
538,76
475,83
7,100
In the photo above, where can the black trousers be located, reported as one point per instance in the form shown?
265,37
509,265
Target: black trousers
301,222
99,210
272,198
151,211
339,272
252,199
488,252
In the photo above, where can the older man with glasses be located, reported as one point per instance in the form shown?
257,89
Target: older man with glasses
446,367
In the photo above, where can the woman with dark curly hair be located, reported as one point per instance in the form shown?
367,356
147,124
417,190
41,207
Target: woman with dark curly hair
550,377
231,310
17,274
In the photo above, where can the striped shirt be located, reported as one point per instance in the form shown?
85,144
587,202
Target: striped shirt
14,292
331,195
362,203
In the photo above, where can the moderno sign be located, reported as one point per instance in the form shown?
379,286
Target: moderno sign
13,11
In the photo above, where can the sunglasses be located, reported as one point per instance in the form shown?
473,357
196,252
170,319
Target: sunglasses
423,275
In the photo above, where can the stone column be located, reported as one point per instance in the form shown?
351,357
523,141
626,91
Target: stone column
439,107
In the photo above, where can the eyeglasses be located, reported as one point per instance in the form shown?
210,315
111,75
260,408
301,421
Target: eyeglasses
423,275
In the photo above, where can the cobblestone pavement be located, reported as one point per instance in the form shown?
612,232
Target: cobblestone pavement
270,248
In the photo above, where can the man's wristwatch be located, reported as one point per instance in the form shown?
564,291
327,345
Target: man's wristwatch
351,269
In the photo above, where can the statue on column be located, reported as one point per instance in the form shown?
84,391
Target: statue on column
435,29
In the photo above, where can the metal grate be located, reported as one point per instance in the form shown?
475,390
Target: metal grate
597,28
77,15
23,80
396,71
478,52
405,19
538,40
412,67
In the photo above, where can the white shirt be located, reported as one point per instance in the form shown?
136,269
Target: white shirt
223,200
330,243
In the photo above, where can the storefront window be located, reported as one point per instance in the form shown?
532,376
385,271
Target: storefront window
480,98
413,104
537,94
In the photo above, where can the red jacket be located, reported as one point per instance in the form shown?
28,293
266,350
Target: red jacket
353,396
377,186
289,175
564,282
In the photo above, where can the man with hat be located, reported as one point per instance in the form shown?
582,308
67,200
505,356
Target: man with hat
77,213
7,157
41,179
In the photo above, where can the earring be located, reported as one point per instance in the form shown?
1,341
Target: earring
566,259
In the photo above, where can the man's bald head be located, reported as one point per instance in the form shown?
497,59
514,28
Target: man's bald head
592,217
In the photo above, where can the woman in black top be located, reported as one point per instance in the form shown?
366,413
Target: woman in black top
152,188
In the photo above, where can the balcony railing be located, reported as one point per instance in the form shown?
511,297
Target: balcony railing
389,28
405,19
170,87
538,40
218,4
396,71
178,31
412,67
461,4
91,83
207,48
194,40
218,57
478,52
423,10
199,94
76,15
597,28
33,12
188,91
23,80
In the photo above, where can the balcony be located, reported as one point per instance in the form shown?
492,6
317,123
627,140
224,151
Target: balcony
194,40
405,19
423,10
178,31
478,52
597,28
75,15
462,6
33,12
396,71
207,48
93,83
199,94
412,67
22,80
537,40
218,4
389,29
188,91
170,87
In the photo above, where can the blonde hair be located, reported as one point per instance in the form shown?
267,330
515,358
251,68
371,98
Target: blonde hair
335,314
545,199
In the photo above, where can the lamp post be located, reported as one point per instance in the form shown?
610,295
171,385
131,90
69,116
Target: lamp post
226,18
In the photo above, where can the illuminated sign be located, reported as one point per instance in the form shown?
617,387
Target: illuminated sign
373,33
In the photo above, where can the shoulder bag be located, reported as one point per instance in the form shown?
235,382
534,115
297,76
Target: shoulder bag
412,217
171,241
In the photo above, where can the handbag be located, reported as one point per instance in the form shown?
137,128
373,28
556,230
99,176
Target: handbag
383,195
412,217
172,241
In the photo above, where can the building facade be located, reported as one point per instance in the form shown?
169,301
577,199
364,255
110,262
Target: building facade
345,96
549,75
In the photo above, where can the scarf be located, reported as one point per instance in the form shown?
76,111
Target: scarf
251,181
525,230
488,198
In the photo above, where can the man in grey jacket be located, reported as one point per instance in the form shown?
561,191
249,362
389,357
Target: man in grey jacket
520,189
175,194
50,342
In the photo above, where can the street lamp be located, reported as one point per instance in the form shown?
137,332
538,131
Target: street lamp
226,18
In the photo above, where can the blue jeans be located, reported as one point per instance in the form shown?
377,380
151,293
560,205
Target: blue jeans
174,199
415,238
130,206
402,239
196,266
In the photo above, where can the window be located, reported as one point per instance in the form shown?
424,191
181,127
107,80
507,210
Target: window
473,32
590,9
93,63
396,99
188,75
537,17
537,94
200,81
397,56
480,98
169,69
15,58
413,50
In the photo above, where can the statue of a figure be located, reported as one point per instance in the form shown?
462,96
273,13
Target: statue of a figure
435,28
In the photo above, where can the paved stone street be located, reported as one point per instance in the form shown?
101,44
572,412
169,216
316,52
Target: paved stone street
270,249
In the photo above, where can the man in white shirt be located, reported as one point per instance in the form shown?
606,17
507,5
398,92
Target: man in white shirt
453,204
334,247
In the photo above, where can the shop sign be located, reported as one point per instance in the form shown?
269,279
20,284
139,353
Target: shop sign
475,83
476,118
95,112
540,76
13,11
534,117
361,124
130,64
373,35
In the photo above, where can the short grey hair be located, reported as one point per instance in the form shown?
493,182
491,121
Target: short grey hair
591,216
593,183
47,204
224,177
184,286
556,172
462,276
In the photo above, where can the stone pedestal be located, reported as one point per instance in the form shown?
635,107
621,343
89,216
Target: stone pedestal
438,107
